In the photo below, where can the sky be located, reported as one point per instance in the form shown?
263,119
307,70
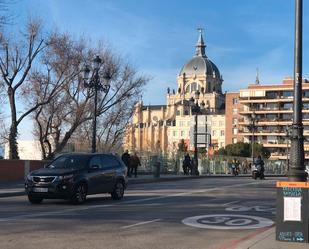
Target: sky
158,37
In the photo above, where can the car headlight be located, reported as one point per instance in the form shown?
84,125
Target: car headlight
65,177
29,177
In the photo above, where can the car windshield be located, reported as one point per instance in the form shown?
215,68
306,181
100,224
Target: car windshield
68,162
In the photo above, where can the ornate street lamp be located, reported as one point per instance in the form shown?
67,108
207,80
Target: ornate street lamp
93,82
196,110
297,171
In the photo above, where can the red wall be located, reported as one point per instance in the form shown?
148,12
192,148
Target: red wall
13,170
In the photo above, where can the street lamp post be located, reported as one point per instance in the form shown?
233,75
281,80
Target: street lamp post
297,171
94,82
292,222
287,135
196,110
253,119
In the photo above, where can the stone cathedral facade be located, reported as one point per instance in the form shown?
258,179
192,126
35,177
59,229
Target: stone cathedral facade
160,128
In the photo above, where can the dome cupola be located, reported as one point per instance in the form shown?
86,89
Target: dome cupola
200,64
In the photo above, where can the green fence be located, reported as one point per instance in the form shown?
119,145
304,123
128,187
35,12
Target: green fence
213,166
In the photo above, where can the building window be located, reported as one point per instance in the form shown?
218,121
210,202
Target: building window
186,112
235,101
234,140
182,133
235,110
287,94
174,133
222,133
214,123
221,123
235,131
178,113
192,87
271,95
182,123
214,133
234,121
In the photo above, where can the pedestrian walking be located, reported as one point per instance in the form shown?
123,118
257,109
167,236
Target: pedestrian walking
134,163
187,164
126,159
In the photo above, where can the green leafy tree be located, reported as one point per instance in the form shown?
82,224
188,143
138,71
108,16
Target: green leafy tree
182,147
244,150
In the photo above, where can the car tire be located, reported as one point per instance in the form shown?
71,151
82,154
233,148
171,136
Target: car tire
80,194
35,200
118,191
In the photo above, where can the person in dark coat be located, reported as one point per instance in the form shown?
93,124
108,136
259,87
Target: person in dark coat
126,159
187,164
134,163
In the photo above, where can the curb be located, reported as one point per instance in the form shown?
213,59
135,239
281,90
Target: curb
259,237
12,194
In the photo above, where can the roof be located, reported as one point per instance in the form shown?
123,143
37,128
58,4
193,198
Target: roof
200,64
153,107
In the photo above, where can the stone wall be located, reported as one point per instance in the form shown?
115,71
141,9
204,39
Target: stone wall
14,170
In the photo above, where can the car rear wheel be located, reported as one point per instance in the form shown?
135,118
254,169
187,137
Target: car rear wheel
80,194
118,191
35,200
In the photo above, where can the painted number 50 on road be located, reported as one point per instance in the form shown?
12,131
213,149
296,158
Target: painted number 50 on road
227,221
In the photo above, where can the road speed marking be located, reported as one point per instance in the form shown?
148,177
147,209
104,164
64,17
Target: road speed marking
227,222
239,208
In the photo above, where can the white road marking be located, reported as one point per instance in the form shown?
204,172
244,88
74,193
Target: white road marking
229,203
140,223
122,203
227,222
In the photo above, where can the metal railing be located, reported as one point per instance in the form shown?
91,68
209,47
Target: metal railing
213,166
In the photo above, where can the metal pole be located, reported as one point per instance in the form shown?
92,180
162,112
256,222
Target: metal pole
252,147
94,129
195,168
297,168
287,155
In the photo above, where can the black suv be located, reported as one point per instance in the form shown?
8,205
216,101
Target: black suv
74,176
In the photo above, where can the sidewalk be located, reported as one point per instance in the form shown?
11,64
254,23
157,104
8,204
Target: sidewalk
267,240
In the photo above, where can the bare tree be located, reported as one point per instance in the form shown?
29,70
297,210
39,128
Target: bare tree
113,125
16,60
71,109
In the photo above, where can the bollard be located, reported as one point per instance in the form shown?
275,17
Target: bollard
157,167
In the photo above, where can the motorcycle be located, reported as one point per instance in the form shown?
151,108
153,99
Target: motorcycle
257,172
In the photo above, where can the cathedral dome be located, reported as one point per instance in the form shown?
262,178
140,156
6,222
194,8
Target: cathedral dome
200,64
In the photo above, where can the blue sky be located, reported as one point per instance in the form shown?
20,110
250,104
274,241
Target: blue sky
159,36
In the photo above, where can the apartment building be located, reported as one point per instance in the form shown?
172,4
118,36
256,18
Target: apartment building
270,109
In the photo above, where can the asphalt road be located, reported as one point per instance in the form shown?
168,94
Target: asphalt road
188,214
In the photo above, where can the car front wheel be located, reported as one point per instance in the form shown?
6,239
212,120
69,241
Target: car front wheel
118,191
80,194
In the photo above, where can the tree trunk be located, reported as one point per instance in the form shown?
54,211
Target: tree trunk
13,153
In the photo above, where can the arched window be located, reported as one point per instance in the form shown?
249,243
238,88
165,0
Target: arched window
193,87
